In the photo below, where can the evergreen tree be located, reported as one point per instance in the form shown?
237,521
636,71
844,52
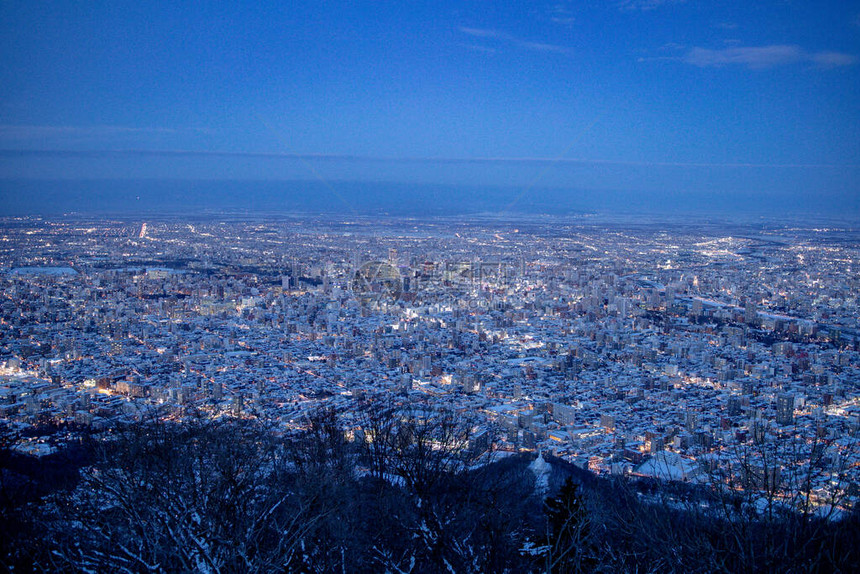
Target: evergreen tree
568,530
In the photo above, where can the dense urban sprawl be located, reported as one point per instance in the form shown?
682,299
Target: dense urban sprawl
683,352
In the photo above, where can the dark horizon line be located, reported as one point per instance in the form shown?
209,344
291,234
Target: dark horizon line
8,152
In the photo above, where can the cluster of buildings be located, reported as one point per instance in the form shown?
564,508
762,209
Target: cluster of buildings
693,353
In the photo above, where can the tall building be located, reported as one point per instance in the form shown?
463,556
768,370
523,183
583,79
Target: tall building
750,313
692,421
785,409
734,406
698,308
563,414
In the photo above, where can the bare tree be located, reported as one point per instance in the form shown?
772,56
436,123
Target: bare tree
202,497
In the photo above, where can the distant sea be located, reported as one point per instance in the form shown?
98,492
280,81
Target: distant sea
208,197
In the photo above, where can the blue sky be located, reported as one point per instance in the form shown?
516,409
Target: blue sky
627,95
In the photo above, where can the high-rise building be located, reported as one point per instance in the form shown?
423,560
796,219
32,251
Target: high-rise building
734,406
698,308
785,409
692,421
750,313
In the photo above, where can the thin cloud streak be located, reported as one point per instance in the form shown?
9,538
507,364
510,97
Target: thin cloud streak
25,132
484,33
645,5
13,153
762,57
504,37
561,14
